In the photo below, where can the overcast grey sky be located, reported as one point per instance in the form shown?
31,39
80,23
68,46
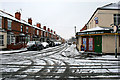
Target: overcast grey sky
59,15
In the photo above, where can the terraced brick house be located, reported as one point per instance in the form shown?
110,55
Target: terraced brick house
15,32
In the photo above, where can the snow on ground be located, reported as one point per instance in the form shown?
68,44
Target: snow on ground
27,62
11,51
71,51
39,62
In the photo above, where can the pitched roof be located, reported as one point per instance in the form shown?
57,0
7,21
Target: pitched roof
111,6
9,16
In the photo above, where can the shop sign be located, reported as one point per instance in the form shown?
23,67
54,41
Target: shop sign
96,20
90,33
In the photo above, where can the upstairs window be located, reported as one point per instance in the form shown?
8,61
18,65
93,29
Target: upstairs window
0,22
21,28
37,32
116,19
9,24
26,29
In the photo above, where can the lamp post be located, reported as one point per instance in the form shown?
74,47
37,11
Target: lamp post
115,31
115,28
75,30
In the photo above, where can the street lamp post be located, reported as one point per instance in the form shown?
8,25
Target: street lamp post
115,28
115,31
115,46
75,30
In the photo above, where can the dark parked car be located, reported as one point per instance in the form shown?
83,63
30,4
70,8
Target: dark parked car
69,43
51,43
34,45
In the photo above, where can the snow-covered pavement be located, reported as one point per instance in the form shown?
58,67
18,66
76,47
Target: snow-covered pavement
62,61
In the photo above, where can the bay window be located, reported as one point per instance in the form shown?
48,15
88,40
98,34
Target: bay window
1,40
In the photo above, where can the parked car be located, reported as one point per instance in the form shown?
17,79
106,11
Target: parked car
69,43
45,44
57,43
34,45
51,43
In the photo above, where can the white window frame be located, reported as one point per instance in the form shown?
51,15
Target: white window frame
0,22
21,28
12,39
2,40
26,29
37,32
9,24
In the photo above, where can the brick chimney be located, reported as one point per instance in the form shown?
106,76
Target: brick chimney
18,15
30,21
54,32
48,29
44,27
39,25
51,30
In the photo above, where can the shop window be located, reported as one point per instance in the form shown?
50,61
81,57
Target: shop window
0,22
116,19
90,44
1,40
85,43
9,24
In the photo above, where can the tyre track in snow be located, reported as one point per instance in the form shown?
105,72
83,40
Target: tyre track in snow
44,70
37,73
18,72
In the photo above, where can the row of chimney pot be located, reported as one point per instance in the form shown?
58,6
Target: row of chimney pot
18,16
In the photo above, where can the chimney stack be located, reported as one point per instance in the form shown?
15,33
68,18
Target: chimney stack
51,30
48,29
39,25
30,21
44,27
54,32
18,15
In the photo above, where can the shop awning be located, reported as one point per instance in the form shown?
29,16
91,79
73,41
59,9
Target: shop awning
96,31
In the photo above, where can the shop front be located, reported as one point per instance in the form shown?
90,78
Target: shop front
98,40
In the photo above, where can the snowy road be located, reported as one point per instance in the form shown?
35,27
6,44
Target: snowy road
58,62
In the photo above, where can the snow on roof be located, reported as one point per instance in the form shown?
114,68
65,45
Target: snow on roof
9,16
97,29
111,6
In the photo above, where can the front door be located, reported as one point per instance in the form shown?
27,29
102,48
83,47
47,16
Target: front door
98,44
